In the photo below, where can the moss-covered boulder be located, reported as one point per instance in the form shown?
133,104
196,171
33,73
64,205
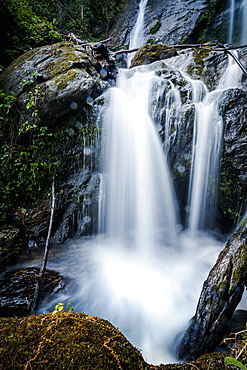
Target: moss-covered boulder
150,53
50,77
65,340
76,341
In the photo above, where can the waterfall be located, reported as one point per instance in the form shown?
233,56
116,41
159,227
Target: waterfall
244,22
232,9
141,272
137,199
136,35
237,22
207,140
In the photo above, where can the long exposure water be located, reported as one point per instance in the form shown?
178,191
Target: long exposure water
136,36
141,272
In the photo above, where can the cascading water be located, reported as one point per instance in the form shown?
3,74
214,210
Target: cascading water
237,24
136,36
140,272
205,164
135,168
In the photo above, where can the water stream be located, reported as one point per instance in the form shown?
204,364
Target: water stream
141,272
136,36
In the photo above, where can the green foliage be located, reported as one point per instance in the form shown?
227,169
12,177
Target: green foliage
156,27
31,148
60,307
213,8
233,361
23,30
30,23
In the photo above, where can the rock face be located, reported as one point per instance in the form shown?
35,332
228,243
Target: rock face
233,181
221,293
165,21
58,89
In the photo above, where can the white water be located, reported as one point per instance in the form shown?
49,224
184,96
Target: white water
138,201
244,22
206,153
140,273
136,36
238,17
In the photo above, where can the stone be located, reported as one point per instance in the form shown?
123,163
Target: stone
150,53
167,22
221,293
16,295
53,75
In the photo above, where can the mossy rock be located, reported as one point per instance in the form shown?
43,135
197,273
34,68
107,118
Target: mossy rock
150,53
69,340
65,340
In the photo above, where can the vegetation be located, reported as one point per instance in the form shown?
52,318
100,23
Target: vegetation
203,32
65,339
30,151
26,24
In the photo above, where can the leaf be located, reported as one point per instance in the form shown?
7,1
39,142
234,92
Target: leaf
233,361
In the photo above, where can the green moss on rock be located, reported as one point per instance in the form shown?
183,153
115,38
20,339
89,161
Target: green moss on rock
199,56
150,53
65,340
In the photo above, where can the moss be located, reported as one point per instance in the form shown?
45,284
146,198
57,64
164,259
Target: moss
151,53
199,56
63,79
69,340
65,340
156,27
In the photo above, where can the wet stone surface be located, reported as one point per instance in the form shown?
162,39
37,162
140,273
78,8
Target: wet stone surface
17,289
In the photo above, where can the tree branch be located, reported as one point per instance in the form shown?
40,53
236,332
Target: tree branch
46,251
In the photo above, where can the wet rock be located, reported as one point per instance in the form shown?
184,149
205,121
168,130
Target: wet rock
221,293
78,206
7,236
233,181
167,22
16,294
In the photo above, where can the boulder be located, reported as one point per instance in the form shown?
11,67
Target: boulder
65,340
53,78
150,53
221,293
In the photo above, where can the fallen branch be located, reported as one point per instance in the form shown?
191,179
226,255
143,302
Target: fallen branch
224,48
46,251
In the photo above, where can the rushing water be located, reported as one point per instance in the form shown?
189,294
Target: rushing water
138,198
136,36
141,272
237,22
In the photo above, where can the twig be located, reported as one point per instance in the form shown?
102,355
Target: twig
44,261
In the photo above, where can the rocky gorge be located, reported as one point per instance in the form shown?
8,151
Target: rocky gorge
59,92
